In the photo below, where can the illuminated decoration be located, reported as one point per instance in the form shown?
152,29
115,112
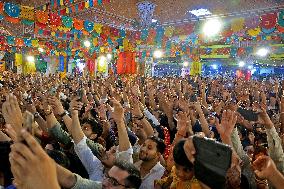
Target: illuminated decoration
145,11
158,54
241,64
200,12
250,67
87,44
212,27
30,59
263,52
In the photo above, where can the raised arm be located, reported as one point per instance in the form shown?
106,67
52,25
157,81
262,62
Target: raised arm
118,116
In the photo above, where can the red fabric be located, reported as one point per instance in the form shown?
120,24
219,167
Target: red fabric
248,75
126,63
268,21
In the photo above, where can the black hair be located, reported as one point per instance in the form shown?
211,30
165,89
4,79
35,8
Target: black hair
96,126
59,157
134,178
5,166
161,146
180,157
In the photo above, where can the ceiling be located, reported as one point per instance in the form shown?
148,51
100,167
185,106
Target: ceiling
169,10
165,11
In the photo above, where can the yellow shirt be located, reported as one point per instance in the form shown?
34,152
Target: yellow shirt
176,183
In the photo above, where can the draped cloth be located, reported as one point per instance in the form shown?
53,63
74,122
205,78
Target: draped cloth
126,63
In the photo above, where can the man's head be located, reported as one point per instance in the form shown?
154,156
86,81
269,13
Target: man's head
92,129
184,168
122,175
152,149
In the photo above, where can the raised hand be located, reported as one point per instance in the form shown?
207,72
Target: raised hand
264,167
56,105
264,118
31,166
12,113
118,112
227,125
136,110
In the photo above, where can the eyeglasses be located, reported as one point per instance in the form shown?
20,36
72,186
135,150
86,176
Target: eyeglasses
112,180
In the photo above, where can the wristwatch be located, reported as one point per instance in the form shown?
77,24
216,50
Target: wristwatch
64,114
36,115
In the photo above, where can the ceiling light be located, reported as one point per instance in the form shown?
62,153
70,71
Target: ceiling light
200,12
185,64
158,54
30,59
241,64
212,27
87,44
214,66
262,52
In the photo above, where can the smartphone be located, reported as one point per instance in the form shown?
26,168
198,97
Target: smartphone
193,98
28,122
52,91
248,114
80,94
212,161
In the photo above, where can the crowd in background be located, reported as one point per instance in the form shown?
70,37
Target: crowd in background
137,132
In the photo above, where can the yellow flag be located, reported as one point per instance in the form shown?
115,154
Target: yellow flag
195,68
87,5
18,59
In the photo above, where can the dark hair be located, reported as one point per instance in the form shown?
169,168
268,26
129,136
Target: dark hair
59,157
134,178
5,166
96,126
180,157
161,146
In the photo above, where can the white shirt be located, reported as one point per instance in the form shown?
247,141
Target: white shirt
92,164
155,173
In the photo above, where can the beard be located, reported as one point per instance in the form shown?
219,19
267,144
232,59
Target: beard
145,157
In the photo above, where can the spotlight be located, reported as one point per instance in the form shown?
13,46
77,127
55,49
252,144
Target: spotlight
158,54
109,56
87,44
263,52
185,64
30,59
241,64
212,27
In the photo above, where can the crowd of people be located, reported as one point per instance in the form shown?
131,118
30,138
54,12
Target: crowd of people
81,132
